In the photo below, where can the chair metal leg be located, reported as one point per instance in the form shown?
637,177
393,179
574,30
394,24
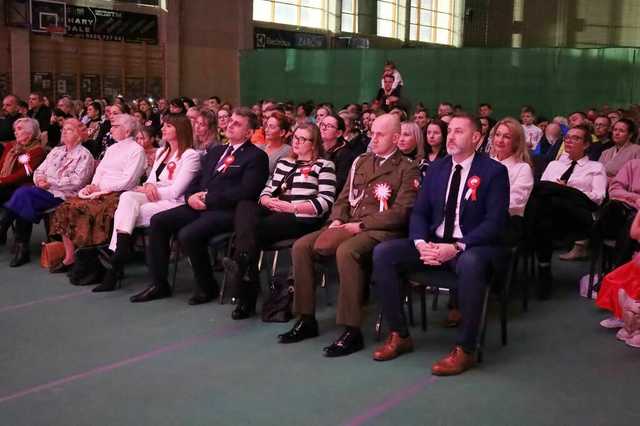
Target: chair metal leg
423,307
323,284
175,244
378,327
274,264
223,287
410,306
483,326
436,292
260,258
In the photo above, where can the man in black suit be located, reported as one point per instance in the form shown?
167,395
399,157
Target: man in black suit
39,111
229,174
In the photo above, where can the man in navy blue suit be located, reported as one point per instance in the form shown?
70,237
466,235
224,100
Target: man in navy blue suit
456,225
229,174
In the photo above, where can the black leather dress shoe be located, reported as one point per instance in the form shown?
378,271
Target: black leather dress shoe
21,255
302,329
112,280
60,268
199,298
351,341
242,311
150,293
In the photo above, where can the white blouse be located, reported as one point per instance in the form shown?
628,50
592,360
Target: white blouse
171,186
121,168
520,184
588,176
66,171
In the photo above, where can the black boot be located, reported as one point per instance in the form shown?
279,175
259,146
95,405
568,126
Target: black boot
21,256
110,259
247,296
112,280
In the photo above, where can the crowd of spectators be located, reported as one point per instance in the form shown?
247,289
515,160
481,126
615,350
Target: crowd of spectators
342,181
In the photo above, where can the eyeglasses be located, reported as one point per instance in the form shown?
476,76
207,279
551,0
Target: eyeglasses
325,126
573,138
301,139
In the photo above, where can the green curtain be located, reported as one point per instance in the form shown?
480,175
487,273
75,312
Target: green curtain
555,81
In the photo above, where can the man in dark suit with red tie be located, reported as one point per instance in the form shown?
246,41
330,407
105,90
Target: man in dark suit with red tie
456,224
229,174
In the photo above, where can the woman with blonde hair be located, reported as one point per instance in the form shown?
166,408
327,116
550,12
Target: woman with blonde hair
508,147
299,194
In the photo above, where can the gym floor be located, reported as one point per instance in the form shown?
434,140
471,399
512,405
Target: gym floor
71,357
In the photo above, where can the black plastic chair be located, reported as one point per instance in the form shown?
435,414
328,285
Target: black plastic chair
435,280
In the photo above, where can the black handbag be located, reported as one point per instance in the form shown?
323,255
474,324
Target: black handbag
279,300
87,269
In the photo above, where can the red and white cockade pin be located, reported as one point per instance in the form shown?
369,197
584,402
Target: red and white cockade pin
473,184
226,163
24,160
171,167
382,192
305,171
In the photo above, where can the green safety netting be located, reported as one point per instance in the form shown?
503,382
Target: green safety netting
553,80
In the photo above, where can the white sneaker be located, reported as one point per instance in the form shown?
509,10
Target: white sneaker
623,335
612,322
634,341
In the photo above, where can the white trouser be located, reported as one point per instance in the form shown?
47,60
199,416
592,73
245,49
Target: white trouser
134,209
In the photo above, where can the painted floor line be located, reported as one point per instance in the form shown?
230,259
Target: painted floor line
52,299
391,401
223,331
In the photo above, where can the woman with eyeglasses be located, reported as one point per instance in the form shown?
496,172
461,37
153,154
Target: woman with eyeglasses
336,150
300,192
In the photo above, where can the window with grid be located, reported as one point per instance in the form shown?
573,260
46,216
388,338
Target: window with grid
436,21
301,13
391,18
349,16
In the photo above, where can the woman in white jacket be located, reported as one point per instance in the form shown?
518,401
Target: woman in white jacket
175,166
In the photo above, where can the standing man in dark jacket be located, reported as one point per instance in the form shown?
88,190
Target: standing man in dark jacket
229,174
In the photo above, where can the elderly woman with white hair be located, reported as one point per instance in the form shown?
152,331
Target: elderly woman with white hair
63,173
87,219
18,161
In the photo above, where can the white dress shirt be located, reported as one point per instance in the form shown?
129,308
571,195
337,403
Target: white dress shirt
121,168
464,174
588,176
520,184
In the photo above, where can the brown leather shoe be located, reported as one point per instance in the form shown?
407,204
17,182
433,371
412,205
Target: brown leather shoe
393,347
458,361
454,317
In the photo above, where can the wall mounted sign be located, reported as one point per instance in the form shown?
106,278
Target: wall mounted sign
266,38
94,23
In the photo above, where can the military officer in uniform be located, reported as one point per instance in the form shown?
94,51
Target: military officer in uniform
373,206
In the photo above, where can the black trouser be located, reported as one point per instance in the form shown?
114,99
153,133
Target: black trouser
194,229
556,211
615,222
257,227
392,260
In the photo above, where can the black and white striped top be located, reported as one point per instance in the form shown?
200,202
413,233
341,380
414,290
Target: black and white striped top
317,187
